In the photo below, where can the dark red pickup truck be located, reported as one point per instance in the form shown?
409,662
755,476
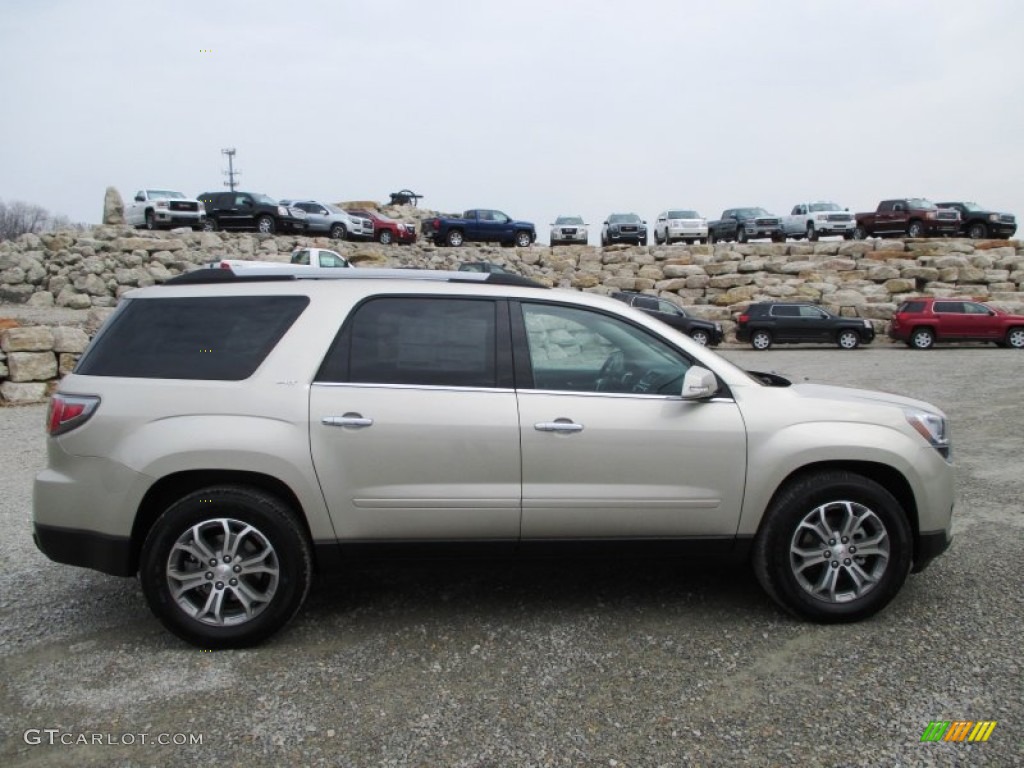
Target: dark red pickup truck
907,217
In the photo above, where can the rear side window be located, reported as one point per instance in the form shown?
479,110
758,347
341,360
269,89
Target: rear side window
911,306
221,338
418,341
786,310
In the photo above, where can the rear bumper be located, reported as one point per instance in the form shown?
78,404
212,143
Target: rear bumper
86,549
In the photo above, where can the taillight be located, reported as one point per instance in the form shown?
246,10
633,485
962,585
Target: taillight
435,224
66,412
743,318
225,265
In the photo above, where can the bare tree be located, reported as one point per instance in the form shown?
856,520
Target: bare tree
18,218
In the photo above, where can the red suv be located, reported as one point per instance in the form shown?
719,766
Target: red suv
919,323
385,229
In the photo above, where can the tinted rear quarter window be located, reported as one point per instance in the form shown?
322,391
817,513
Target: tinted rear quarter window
911,306
223,338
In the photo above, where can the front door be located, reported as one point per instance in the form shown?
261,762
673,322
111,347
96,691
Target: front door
609,448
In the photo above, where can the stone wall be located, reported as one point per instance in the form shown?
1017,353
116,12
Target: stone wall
90,270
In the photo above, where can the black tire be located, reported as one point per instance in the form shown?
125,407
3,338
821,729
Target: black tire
1015,338
384,237
778,238
523,239
922,338
210,225
338,232
553,243
915,229
761,340
848,339
265,225
848,236
792,561
741,235
711,238
859,233
644,241
262,525
454,238
658,240
150,220
812,234
701,336
977,231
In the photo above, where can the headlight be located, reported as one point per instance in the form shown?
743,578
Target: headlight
202,208
867,323
282,211
993,217
933,428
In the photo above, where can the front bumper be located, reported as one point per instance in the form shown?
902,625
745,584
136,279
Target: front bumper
183,218
632,237
929,546
687,233
754,232
568,237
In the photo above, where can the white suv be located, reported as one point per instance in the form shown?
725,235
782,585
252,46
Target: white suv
227,435
680,224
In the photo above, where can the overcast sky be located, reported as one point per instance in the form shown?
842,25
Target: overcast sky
535,107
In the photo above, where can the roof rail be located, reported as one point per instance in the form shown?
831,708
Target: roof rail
290,272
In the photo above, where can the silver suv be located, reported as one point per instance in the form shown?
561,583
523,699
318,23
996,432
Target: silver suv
226,436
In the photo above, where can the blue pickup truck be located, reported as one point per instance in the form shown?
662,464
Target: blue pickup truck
479,225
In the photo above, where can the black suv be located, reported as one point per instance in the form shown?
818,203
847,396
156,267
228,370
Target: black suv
793,322
979,222
703,332
250,211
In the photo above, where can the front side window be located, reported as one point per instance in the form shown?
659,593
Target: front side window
975,309
580,350
813,313
222,338
417,341
668,308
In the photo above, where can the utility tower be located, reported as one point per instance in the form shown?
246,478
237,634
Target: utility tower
230,172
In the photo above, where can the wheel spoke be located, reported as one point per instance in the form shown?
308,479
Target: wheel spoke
809,557
213,607
827,582
186,581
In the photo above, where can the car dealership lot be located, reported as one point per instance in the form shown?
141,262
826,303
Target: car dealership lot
553,663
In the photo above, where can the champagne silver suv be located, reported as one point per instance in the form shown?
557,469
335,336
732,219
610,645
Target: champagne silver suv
227,436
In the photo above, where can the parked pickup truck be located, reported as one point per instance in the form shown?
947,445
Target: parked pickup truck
301,257
155,208
907,217
479,225
979,222
742,224
812,220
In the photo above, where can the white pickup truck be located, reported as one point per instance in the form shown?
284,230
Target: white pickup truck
812,220
155,208
301,257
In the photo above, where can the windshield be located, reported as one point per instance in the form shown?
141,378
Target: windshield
264,200
922,204
623,218
815,207
752,212
683,215
154,193
972,207
569,220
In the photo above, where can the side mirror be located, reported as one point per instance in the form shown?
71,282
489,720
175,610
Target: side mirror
699,384
139,198
606,223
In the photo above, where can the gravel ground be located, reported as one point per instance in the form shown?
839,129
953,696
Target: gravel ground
644,664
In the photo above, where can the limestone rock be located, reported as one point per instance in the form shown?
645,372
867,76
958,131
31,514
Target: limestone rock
30,339
72,340
113,207
31,366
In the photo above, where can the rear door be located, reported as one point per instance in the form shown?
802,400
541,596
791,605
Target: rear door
316,216
609,449
951,322
414,428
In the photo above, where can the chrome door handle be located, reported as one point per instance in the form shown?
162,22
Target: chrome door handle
348,420
558,426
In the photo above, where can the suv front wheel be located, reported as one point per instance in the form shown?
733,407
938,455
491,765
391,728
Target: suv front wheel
848,340
835,546
225,567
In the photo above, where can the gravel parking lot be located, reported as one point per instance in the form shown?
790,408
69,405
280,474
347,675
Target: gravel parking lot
622,664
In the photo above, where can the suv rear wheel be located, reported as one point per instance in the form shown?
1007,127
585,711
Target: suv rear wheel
760,340
848,340
225,566
922,338
834,547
